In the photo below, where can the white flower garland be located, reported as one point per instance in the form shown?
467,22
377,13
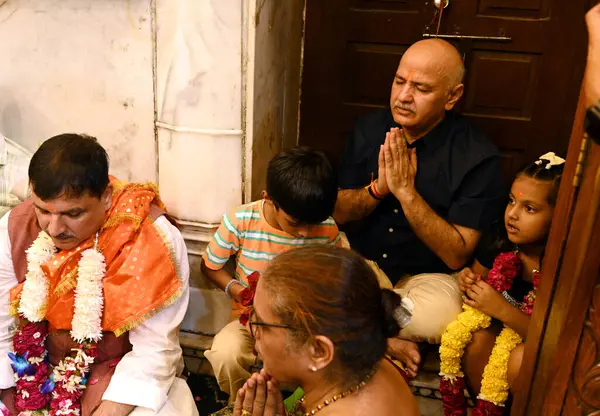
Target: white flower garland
35,290
89,299
89,296
87,317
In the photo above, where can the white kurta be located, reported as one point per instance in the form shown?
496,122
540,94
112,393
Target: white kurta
146,376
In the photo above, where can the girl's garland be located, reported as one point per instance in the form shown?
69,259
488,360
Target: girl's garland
494,386
57,393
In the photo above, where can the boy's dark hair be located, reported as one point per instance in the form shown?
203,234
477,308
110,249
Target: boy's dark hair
69,165
302,182
539,170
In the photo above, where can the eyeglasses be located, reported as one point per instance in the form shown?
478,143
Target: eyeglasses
252,323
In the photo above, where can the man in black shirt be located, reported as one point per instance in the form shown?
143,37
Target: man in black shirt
423,182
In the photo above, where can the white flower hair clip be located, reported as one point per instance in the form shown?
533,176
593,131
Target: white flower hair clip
552,159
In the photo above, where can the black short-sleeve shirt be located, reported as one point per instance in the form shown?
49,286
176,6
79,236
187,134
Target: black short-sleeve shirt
458,175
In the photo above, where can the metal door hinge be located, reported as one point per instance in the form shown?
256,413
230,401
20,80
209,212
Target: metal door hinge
580,161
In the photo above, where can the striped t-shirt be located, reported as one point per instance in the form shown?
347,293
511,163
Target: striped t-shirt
245,233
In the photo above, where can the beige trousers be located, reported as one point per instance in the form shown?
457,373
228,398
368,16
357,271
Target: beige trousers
434,298
231,355
435,301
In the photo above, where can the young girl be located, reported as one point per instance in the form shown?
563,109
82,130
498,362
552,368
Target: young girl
501,286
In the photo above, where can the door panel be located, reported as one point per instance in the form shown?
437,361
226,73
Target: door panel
517,90
583,393
368,72
560,374
533,9
512,93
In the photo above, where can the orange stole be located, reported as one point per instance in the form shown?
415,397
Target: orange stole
141,276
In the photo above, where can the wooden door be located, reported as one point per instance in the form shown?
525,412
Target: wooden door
561,364
522,91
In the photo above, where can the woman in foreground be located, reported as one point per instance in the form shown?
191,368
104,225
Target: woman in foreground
322,322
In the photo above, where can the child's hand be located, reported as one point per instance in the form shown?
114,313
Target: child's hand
466,278
486,299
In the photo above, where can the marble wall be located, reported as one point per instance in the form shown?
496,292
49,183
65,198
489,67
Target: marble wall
80,66
223,77
196,95
199,97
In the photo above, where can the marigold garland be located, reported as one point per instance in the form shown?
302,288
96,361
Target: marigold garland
457,336
494,385
494,388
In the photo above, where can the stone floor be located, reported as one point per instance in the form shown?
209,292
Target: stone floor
430,407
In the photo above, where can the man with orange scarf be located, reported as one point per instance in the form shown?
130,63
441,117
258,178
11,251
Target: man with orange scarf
93,287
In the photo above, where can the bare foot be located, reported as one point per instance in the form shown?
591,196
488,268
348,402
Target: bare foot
407,352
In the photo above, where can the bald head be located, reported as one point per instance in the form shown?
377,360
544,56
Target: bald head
428,82
441,57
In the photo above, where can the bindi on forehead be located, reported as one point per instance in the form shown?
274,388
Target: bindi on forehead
60,208
45,206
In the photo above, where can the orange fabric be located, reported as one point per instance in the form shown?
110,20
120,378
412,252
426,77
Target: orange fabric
141,276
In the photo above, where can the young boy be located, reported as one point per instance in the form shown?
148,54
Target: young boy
295,211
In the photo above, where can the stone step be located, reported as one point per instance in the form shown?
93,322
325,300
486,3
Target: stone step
191,340
193,346
427,383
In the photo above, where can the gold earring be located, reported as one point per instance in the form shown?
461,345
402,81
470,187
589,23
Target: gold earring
314,368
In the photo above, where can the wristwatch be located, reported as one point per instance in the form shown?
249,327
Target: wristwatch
592,122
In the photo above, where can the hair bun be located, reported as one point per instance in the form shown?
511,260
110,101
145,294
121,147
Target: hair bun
395,315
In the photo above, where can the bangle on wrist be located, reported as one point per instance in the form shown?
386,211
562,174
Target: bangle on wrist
373,192
228,286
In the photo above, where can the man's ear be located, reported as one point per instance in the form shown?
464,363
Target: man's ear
454,96
264,195
322,352
107,197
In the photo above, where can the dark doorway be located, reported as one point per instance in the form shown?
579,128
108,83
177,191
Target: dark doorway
522,82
